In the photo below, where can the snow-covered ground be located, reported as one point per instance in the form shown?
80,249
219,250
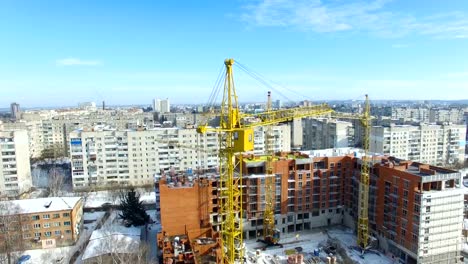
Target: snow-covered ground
62,254
99,198
312,240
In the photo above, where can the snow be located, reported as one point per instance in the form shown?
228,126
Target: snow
99,198
112,233
118,240
93,216
312,240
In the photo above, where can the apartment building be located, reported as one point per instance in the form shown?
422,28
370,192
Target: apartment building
432,144
309,194
279,139
419,212
52,128
411,114
453,115
415,209
429,115
161,106
40,223
15,169
323,133
129,157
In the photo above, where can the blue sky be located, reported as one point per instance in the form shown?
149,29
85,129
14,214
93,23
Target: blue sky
128,52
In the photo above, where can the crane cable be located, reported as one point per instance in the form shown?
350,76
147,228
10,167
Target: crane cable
261,80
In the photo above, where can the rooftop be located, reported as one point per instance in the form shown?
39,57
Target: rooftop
39,205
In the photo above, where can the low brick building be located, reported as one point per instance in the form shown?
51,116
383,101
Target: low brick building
40,223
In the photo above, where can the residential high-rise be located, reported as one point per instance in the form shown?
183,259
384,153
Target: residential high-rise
161,106
419,211
324,133
165,106
157,105
432,144
15,111
126,157
280,141
15,169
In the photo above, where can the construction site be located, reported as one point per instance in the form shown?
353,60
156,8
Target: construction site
292,207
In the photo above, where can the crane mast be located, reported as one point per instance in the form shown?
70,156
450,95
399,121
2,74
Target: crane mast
270,235
363,220
230,192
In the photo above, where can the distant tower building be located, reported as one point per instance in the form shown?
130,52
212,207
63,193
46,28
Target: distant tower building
15,111
278,104
156,105
161,106
165,106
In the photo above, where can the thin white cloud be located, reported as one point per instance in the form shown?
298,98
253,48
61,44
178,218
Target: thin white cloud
363,16
77,62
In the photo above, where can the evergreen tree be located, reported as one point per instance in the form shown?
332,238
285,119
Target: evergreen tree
132,211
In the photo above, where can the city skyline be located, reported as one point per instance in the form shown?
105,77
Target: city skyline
320,50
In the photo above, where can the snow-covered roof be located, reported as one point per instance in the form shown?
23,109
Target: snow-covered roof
117,240
39,205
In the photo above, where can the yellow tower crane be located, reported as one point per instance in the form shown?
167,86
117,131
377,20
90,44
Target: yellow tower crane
236,136
271,236
363,207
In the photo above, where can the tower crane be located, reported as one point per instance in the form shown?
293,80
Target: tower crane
363,207
271,235
236,136
363,199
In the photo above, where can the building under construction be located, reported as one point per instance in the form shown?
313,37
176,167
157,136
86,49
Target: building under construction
415,210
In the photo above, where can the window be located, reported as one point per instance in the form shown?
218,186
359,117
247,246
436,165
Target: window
428,209
37,226
406,184
37,234
26,236
46,216
426,231
56,215
46,225
66,214
49,242
68,231
66,223
35,217
57,224
58,232
25,227
48,234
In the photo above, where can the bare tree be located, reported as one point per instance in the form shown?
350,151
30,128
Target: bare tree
56,181
11,238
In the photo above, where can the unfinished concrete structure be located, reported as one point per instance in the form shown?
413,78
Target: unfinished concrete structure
415,210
